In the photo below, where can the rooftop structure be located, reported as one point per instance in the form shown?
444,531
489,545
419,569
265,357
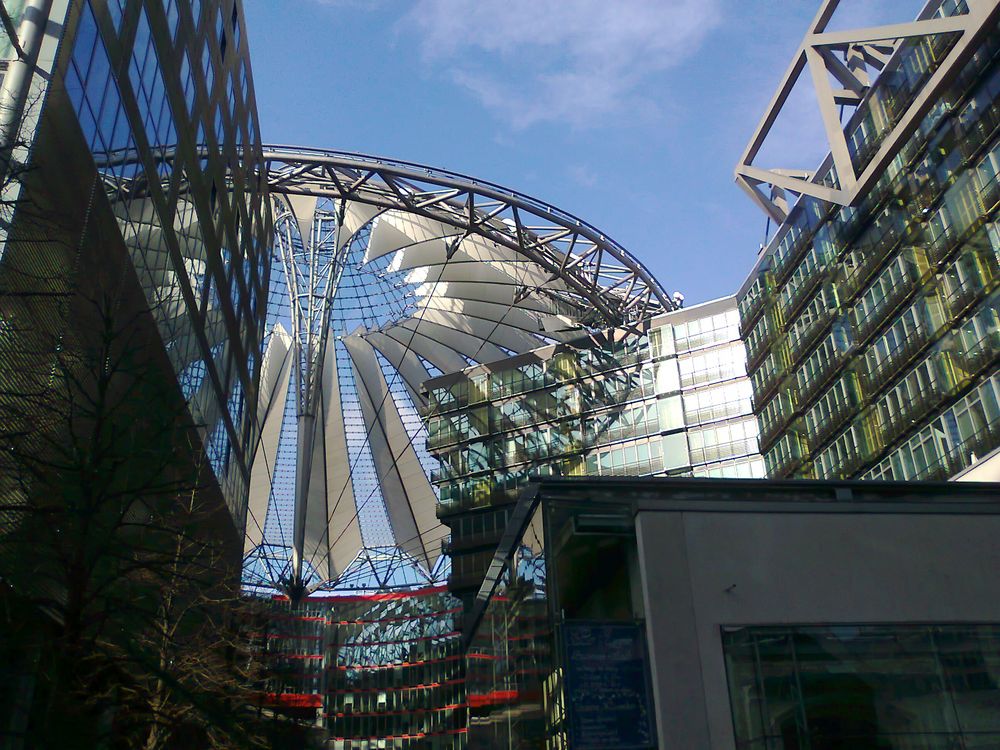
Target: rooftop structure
389,273
667,612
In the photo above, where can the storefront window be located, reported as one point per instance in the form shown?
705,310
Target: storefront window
870,686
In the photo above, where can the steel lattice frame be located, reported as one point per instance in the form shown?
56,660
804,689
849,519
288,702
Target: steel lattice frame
600,273
551,276
844,57
311,268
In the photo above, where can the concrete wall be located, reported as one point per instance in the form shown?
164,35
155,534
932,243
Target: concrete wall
703,570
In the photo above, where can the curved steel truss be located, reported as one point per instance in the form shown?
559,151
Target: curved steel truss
386,274
371,569
597,273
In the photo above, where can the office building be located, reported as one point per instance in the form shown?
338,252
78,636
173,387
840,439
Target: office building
674,400
872,317
133,261
665,612
134,154
701,382
370,669
397,675
290,644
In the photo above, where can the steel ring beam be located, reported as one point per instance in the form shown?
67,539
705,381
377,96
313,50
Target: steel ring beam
603,275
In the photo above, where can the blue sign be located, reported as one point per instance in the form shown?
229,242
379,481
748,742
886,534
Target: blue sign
607,686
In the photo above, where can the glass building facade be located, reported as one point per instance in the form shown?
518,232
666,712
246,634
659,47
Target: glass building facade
377,670
873,331
579,679
673,401
900,686
396,678
153,101
291,643
591,602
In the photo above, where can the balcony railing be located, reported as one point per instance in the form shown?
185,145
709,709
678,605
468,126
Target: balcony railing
442,475
875,379
786,412
982,354
870,262
821,377
901,421
447,438
787,466
766,386
801,344
783,268
839,416
774,431
989,196
985,126
757,348
750,312
885,307
958,458
936,48
851,464
962,297
940,246
497,495
799,297
923,195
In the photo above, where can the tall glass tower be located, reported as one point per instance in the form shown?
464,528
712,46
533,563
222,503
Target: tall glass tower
872,317
132,163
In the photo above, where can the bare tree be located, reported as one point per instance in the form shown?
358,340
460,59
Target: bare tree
116,533
120,618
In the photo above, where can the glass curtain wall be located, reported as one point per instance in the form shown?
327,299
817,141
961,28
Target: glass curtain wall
558,657
163,96
673,401
867,327
897,687
376,670
396,676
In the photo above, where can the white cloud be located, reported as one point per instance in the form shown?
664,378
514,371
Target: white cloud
572,61
583,175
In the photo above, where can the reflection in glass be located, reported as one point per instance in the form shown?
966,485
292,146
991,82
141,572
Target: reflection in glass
906,687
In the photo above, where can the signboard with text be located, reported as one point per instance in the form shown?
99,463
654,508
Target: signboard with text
607,686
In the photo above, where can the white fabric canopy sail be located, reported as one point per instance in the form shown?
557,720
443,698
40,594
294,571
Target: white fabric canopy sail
386,274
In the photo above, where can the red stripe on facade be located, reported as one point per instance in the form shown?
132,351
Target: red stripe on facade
292,700
387,596
492,698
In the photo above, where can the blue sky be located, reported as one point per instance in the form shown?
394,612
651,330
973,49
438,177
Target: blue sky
628,113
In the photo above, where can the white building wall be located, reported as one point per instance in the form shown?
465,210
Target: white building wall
704,571
703,392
